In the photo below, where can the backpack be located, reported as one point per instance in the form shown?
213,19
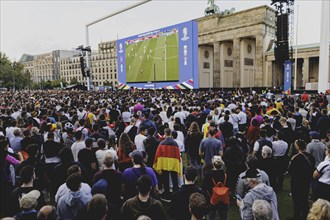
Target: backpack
24,154
220,193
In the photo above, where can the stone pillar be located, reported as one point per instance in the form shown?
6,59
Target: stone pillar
259,62
216,65
305,71
268,74
237,62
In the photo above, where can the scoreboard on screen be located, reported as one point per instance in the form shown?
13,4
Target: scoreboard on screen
163,58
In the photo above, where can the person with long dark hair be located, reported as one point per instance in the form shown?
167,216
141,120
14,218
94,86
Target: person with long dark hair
125,147
234,160
192,142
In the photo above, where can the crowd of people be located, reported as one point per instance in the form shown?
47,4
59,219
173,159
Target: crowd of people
125,154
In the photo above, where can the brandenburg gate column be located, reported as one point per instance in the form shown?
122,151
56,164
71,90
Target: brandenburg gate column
259,61
216,64
305,71
237,62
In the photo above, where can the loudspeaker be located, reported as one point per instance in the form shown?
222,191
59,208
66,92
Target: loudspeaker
82,66
282,27
282,38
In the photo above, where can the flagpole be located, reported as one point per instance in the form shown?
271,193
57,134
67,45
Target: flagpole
296,53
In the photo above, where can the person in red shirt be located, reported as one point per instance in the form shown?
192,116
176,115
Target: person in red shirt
304,97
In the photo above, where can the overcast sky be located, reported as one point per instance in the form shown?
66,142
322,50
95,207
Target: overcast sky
35,27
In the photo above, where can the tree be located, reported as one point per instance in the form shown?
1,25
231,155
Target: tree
107,83
74,81
12,75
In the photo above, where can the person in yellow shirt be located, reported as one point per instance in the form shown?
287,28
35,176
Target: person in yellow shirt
205,127
279,104
90,116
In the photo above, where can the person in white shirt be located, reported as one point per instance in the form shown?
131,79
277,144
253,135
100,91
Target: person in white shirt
82,128
235,119
81,113
63,189
279,148
10,130
322,173
138,141
100,154
132,123
241,117
185,111
179,142
171,123
180,114
232,106
179,133
16,113
126,115
291,120
78,145
163,114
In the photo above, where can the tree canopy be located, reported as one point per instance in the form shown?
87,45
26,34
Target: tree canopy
12,74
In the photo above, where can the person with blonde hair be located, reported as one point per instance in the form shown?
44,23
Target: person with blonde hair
212,177
320,210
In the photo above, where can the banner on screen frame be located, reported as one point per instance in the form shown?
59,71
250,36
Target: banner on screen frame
287,77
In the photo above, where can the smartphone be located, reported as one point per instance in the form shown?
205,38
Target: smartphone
238,197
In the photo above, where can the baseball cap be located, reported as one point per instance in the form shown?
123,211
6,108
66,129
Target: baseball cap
314,134
252,173
29,200
100,187
136,155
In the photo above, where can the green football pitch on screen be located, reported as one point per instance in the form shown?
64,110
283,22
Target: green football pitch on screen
155,59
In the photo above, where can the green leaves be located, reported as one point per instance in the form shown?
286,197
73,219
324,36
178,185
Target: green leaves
12,74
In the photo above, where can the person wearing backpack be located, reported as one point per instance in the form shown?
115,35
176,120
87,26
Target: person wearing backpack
212,177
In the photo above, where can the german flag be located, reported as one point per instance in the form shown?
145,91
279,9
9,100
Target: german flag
168,157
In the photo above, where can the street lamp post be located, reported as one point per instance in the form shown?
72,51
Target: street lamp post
89,79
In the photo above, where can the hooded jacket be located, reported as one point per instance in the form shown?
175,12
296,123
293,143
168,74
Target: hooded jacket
70,203
263,192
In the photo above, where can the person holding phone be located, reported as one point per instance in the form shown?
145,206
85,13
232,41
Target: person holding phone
259,191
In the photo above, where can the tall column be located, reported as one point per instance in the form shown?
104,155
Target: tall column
259,61
305,71
237,62
324,47
216,65
268,74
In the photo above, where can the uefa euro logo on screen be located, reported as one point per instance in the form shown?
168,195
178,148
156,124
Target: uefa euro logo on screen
185,34
121,48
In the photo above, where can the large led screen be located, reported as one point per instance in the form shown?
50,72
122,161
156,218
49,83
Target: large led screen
161,58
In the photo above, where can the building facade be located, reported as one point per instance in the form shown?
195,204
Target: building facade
45,67
307,68
27,61
232,48
103,66
234,51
